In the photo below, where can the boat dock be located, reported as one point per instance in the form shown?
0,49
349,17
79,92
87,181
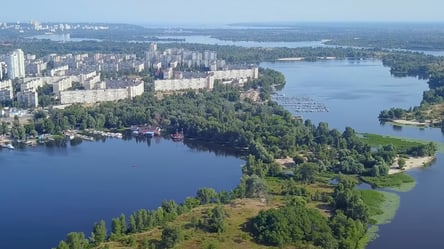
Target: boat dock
300,104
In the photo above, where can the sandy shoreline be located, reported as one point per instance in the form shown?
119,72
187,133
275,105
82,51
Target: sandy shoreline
411,163
408,122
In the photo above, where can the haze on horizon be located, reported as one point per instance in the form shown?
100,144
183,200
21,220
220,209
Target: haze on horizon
222,12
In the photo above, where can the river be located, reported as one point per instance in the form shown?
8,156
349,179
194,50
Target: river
203,39
355,92
47,192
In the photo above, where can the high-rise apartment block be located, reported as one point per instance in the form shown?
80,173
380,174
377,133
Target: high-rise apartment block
16,64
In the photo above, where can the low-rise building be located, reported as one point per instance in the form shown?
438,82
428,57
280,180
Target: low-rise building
184,84
62,84
251,73
27,99
32,84
126,90
59,71
6,90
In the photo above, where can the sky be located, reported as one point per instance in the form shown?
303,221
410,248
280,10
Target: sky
221,11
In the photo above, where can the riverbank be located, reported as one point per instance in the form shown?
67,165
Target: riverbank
411,163
292,59
409,122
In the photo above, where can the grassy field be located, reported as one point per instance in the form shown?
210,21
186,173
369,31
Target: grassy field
236,235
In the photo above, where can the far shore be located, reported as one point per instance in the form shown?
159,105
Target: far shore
303,58
412,163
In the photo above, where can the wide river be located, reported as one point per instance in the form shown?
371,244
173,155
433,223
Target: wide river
47,192
355,92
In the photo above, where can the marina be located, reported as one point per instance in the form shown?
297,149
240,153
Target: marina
300,104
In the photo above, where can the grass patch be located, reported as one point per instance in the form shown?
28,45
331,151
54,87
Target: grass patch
404,187
391,181
373,199
401,144
389,206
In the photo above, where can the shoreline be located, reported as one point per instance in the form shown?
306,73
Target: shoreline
409,122
411,163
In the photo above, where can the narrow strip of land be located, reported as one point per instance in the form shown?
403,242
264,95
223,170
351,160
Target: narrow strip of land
412,163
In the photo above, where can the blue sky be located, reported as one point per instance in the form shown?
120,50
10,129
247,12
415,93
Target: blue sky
222,11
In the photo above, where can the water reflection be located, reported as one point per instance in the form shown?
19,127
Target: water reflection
397,127
219,150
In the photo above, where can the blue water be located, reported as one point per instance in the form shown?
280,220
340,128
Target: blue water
47,192
355,92
419,221
249,44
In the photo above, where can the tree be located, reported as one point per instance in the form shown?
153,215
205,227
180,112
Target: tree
99,233
132,224
116,228
298,159
62,245
77,241
215,221
4,128
206,195
255,186
307,172
171,236
401,163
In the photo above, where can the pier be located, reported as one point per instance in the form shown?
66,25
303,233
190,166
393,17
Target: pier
300,104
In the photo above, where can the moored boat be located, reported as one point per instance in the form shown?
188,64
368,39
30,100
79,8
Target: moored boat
177,136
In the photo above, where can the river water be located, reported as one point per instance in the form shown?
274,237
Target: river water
355,92
47,192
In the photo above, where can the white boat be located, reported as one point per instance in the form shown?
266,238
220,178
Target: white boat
9,146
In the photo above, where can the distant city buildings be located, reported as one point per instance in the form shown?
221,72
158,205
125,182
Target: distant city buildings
78,78
34,25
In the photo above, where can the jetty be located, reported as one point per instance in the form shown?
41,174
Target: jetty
300,104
